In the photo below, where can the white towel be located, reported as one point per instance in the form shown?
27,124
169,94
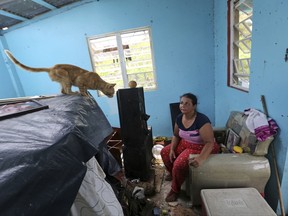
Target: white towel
255,119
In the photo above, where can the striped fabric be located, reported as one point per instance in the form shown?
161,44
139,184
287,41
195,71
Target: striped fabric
260,125
264,132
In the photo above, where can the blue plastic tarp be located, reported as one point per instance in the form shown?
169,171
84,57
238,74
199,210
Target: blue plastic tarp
42,155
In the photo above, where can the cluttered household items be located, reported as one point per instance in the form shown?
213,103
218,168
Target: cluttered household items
44,154
241,162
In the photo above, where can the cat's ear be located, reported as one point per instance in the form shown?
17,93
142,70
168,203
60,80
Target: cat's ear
112,85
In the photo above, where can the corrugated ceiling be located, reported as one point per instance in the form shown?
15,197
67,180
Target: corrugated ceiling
14,12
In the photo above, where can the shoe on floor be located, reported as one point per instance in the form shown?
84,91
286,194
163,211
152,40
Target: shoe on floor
168,177
171,196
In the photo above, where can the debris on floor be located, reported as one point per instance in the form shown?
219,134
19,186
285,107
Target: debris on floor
148,198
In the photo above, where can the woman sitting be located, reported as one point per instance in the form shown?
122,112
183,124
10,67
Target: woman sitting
193,134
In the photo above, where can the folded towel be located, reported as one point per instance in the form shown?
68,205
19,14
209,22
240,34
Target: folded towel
255,119
258,124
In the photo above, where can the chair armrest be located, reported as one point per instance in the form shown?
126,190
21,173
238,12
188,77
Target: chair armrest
228,171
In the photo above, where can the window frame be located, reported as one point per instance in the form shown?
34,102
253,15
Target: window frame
231,52
122,58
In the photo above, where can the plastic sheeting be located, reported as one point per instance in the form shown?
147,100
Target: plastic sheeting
42,155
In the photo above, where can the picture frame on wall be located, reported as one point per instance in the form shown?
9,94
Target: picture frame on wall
12,109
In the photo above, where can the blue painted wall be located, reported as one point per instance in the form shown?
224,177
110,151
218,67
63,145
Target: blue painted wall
190,48
183,62
269,76
7,87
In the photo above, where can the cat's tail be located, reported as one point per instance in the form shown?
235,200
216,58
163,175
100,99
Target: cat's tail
13,59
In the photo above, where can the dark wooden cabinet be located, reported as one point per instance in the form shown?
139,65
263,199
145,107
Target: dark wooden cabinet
136,136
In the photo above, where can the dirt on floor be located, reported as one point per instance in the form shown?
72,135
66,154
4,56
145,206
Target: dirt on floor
182,207
156,190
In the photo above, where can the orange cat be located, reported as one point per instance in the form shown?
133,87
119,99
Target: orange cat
70,75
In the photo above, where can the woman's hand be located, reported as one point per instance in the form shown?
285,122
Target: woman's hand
174,143
195,162
172,155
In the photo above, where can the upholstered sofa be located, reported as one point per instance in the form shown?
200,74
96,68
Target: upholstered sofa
232,170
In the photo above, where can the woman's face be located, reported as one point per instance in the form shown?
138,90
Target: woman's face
186,105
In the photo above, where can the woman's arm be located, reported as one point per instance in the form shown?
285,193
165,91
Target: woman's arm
174,143
207,135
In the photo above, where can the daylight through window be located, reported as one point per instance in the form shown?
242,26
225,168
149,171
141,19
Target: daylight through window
240,43
124,56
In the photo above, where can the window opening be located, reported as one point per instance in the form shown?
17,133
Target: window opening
124,56
240,14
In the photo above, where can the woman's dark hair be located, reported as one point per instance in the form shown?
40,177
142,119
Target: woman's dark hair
190,96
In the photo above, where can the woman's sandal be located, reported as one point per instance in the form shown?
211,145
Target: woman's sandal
171,196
